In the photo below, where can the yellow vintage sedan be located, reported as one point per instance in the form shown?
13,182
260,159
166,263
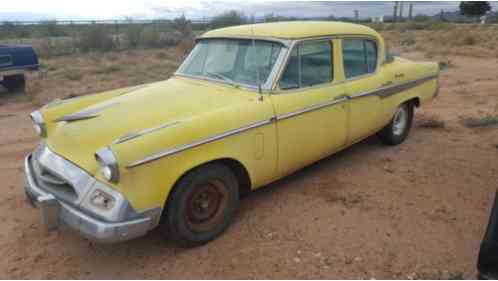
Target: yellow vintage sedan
250,105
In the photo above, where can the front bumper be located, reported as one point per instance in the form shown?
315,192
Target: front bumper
55,212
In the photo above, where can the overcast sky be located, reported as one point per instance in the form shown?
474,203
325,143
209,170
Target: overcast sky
146,9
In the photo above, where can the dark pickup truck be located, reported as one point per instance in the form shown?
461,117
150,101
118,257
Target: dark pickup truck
14,62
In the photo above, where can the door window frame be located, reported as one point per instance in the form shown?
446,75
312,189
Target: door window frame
296,45
368,74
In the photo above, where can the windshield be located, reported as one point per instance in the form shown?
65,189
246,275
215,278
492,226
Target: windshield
235,61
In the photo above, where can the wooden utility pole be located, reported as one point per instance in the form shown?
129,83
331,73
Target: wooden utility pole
401,11
410,12
395,11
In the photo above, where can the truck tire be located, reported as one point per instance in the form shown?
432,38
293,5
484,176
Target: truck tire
14,83
201,206
397,130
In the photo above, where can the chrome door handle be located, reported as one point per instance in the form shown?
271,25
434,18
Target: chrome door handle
399,75
341,97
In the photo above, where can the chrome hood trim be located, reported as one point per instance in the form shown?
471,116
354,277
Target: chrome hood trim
84,114
141,133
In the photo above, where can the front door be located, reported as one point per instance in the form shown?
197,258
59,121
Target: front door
311,111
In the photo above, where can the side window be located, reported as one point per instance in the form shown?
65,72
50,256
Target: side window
359,57
309,64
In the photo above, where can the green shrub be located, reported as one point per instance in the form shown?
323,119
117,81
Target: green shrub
133,35
50,28
94,38
229,18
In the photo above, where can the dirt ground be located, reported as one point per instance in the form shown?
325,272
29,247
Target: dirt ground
417,210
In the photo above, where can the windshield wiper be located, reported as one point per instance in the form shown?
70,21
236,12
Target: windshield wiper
222,77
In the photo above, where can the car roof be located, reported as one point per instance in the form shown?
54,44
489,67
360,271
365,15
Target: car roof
293,30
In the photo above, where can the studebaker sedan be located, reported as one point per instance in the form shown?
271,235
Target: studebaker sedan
250,104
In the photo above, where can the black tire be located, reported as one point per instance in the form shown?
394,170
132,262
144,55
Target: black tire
187,219
395,133
14,83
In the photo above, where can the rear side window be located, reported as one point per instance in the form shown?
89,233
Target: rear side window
359,57
5,60
310,63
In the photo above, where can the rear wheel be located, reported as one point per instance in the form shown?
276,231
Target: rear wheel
397,130
14,83
201,206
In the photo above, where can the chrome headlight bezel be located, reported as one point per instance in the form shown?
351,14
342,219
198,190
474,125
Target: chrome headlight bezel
108,164
40,126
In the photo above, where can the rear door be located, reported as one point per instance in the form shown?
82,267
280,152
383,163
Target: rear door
363,77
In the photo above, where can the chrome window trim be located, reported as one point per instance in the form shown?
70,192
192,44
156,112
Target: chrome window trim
334,81
287,59
377,64
284,42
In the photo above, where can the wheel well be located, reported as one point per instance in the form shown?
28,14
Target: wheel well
235,166
414,101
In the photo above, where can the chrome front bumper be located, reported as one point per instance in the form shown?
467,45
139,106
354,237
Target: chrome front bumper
55,213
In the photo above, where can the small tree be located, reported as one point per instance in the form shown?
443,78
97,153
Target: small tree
474,8
183,25
230,18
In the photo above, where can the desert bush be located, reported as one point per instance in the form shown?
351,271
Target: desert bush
108,69
133,35
50,28
469,40
186,45
150,38
73,75
94,38
472,122
229,18
431,122
51,47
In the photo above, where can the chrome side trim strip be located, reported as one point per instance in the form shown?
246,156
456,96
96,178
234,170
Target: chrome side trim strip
131,136
311,108
391,90
213,138
381,92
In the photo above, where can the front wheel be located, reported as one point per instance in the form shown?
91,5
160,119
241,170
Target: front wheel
201,206
397,130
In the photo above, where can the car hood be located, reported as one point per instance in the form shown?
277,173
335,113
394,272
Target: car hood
167,105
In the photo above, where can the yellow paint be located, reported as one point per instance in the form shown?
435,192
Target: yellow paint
203,109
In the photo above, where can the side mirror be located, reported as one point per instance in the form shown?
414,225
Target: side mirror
389,57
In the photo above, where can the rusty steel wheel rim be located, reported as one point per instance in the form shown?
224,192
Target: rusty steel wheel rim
206,205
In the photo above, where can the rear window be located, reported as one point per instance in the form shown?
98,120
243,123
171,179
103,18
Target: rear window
359,57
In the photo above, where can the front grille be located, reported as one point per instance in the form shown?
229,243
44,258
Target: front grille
51,182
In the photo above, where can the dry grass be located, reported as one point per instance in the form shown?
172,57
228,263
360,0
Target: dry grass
96,72
463,40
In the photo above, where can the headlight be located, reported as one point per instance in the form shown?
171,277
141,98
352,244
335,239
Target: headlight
40,127
108,164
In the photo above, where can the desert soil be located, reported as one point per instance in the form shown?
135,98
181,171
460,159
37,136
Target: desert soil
417,210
